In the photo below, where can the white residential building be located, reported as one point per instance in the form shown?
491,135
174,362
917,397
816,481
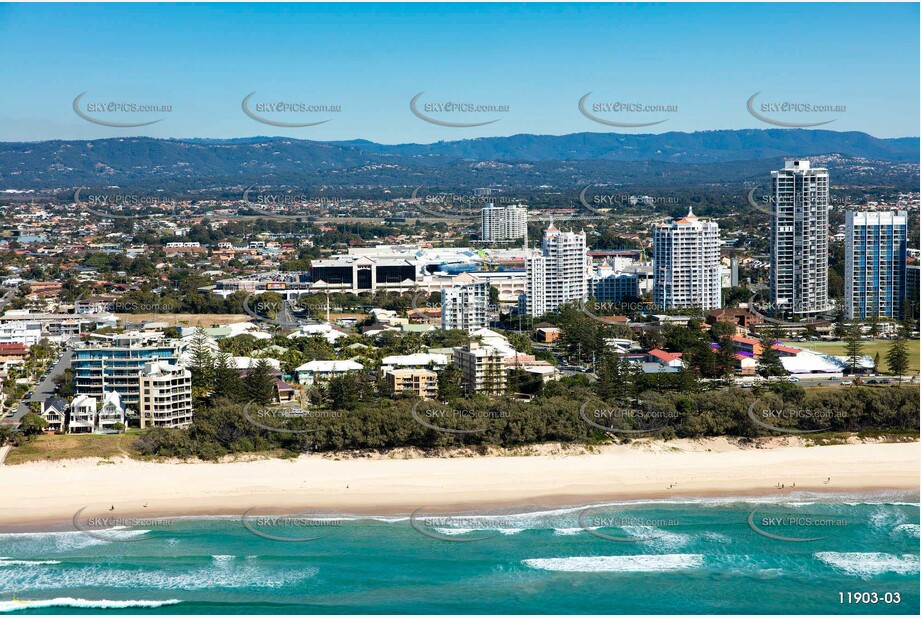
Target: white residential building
465,307
82,417
559,273
54,411
799,239
503,223
686,265
420,360
483,369
165,398
26,333
111,413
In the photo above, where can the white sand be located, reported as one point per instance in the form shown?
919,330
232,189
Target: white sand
42,494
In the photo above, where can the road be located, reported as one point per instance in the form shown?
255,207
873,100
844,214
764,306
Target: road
7,297
46,387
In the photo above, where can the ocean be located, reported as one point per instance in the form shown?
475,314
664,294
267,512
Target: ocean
798,553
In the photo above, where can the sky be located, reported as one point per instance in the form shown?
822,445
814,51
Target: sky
697,65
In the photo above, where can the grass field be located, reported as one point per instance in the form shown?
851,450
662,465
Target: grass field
204,320
870,348
55,448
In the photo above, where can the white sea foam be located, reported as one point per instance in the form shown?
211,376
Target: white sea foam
214,574
12,606
455,531
14,562
55,543
643,563
656,537
867,564
567,531
912,530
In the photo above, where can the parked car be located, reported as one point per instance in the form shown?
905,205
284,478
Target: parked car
846,382
792,379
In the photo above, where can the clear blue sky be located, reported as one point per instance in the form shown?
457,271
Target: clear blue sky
372,59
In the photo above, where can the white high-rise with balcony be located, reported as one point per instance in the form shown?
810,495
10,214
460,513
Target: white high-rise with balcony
799,239
686,266
465,307
559,273
503,223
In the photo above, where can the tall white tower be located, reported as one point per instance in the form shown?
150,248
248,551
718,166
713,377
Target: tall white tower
559,273
503,223
799,239
686,264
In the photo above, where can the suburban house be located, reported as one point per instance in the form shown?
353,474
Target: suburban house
111,413
54,411
82,415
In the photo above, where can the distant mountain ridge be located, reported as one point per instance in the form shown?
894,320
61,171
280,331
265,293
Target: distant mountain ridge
677,147
518,160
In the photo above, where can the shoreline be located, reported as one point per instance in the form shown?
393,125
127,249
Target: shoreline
539,505
45,496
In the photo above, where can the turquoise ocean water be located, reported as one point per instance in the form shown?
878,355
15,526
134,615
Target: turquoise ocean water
681,556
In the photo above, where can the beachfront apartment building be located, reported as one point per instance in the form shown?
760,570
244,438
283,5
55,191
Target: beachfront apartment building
686,271
558,274
465,307
165,395
421,383
483,369
115,365
875,264
799,239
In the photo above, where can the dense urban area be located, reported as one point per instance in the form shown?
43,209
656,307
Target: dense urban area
279,321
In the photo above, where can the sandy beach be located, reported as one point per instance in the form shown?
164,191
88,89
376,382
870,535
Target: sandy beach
46,495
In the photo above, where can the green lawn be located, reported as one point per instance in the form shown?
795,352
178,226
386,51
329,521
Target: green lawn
870,348
51,447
